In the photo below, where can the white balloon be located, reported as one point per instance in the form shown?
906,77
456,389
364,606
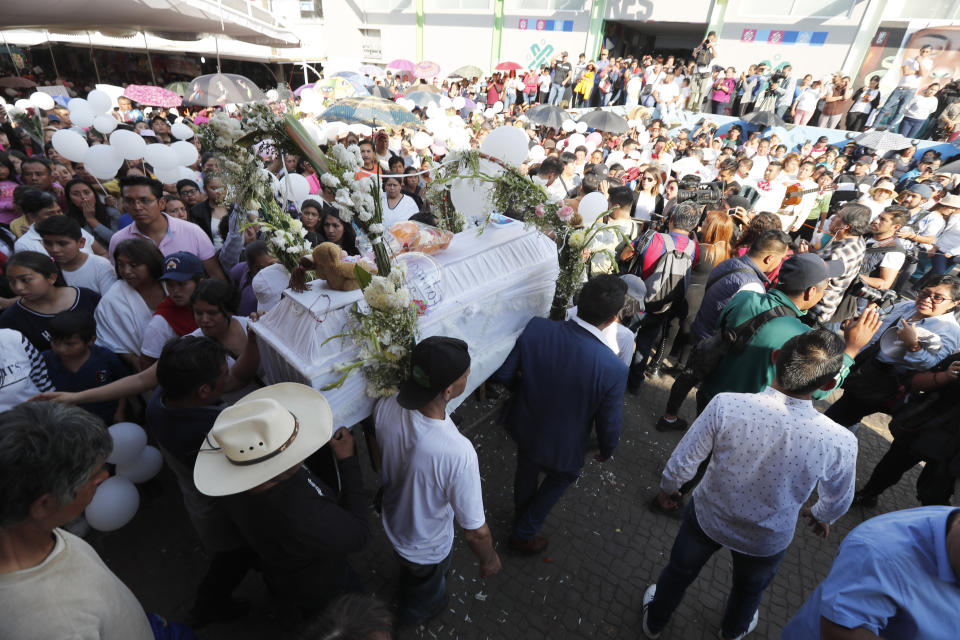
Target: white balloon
160,156
186,173
591,206
114,504
102,161
131,145
421,140
536,154
433,111
42,100
129,439
147,465
296,186
576,139
75,103
365,130
471,197
497,107
181,131
22,104
168,176
568,125
104,123
82,116
506,143
99,101
459,139
445,102
186,153
458,103
70,144
581,127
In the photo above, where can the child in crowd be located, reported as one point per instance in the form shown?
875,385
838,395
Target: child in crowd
23,373
64,241
75,363
181,273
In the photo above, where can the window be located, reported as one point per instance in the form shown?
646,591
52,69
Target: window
797,8
370,44
448,5
311,9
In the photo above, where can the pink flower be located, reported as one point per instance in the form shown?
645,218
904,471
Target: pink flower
540,211
565,213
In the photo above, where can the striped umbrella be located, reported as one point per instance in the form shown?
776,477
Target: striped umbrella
426,69
401,65
375,112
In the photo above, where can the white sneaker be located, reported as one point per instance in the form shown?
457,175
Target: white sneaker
753,625
647,599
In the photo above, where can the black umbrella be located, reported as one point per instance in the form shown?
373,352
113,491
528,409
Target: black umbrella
222,88
882,141
764,119
604,121
379,91
548,115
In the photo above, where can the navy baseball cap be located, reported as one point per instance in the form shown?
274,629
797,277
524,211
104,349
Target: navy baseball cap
181,266
921,190
804,270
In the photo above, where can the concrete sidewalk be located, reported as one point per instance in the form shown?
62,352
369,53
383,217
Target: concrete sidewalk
605,548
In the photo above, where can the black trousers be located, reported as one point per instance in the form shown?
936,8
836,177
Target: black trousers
849,410
855,121
933,486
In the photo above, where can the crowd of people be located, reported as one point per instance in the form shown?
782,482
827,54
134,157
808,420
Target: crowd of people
762,274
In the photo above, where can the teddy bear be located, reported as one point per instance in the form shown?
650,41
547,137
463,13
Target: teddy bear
327,265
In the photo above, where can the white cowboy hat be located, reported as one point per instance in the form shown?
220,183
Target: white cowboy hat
262,435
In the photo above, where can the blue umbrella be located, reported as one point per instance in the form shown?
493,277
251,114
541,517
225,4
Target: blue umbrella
369,110
355,78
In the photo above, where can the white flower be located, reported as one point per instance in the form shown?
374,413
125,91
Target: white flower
364,215
295,226
396,351
329,180
376,229
578,239
385,337
279,240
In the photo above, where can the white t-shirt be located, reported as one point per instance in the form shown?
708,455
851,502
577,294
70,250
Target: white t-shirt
931,225
891,259
96,274
876,208
667,91
913,81
644,206
922,107
31,241
158,333
405,208
862,105
71,594
24,373
948,240
430,476
545,82
807,100
770,198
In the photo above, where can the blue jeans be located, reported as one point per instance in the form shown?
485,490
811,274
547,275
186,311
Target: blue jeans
422,587
941,264
895,107
911,127
511,98
556,94
691,550
533,499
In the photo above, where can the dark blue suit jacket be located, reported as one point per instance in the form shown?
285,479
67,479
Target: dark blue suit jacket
570,380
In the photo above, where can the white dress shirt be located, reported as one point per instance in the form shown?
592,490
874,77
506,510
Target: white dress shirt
769,453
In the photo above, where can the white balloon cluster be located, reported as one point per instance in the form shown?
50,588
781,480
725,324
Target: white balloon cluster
170,163
117,499
472,196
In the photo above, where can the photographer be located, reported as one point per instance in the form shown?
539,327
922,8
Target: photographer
914,336
703,55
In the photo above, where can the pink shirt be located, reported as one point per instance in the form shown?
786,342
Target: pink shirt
721,96
181,236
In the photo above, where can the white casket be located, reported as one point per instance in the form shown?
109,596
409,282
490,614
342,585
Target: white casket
491,285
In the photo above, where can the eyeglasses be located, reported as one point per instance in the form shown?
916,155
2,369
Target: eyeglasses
189,192
936,297
133,202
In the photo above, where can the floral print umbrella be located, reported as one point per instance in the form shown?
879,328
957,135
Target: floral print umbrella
151,96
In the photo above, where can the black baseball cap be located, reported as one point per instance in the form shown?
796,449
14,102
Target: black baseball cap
435,364
804,270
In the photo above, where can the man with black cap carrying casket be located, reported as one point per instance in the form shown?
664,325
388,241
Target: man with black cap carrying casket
430,476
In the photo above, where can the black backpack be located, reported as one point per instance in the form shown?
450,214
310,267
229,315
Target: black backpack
706,355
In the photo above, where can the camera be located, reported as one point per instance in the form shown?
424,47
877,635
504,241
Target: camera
777,76
883,298
709,193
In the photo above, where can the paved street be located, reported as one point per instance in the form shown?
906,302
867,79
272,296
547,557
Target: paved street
605,548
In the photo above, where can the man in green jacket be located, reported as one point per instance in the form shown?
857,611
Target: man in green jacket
802,281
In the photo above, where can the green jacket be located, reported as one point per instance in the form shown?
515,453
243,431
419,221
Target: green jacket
753,370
